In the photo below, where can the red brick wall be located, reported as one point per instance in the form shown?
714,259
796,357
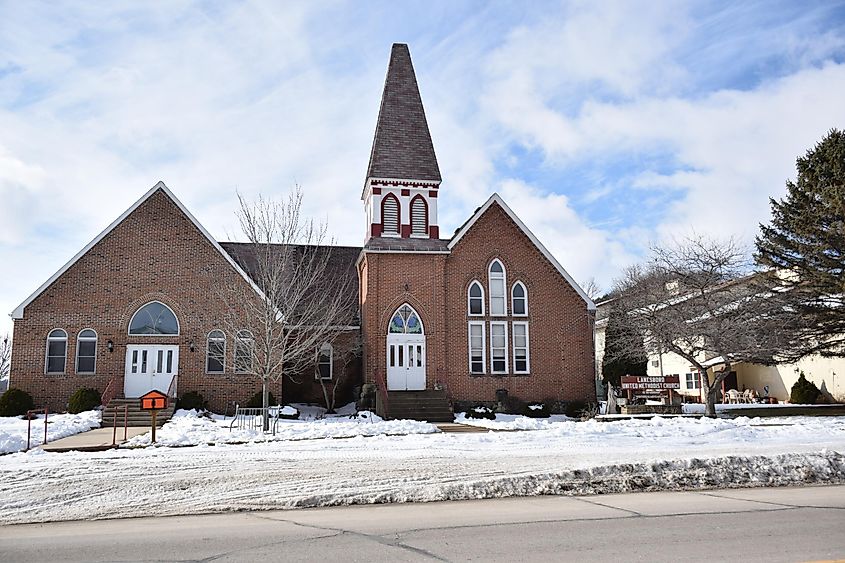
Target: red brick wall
560,326
156,253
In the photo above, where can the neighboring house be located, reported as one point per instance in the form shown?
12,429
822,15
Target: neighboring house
773,381
4,384
459,318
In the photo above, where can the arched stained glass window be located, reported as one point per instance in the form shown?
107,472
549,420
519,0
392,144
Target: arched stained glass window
154,318
405,320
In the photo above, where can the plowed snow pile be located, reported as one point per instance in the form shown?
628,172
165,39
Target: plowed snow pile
565,458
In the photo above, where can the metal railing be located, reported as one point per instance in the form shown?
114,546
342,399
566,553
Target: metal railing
29,426
252,418
110,392
114,424
171,391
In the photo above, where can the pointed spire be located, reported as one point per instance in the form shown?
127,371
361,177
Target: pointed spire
402,147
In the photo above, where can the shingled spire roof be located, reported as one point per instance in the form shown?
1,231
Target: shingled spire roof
402,147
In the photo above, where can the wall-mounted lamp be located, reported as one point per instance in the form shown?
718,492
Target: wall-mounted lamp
191,345
110,346
406,287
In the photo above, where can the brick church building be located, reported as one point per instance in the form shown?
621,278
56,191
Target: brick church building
440,321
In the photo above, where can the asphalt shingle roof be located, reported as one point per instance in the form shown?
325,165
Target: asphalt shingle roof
402,147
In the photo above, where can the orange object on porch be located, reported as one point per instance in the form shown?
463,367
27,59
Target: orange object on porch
153,401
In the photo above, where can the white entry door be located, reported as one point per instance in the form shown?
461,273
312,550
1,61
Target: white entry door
149,367
405,362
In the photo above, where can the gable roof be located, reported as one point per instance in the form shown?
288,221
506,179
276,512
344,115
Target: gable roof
402,147
340,272
496,199
18,312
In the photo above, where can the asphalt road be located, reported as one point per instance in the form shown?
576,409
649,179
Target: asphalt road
787,524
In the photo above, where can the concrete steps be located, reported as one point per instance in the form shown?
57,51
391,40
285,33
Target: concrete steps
135,416
429,405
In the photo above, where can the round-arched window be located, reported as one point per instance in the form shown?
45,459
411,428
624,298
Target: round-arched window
154,318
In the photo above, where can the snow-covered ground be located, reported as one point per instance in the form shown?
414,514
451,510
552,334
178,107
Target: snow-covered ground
189,428
513,422
13,429
565,458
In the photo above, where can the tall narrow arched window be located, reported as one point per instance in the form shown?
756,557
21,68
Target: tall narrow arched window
244,351
325,361
475,297
86,351
496,278
56,351
519,300
419,216
215,358
390,215
154,318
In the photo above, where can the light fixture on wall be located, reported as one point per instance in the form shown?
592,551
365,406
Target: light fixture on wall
110,346
191,345
406,287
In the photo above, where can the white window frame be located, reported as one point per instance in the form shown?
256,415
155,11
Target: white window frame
483,346
244,337
696,380
319,376
504,278
524,298
169,308
80,338
469,299
208,340
504,325
527,348
47,352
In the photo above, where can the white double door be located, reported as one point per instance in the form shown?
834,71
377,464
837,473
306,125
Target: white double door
149,367
406,362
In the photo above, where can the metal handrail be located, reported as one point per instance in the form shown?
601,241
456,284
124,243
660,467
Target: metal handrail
171,391
125,424
29,426
110,392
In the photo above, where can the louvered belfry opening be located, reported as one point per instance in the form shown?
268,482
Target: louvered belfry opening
390,214
419,216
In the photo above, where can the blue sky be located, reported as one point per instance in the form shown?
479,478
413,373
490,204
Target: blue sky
607,126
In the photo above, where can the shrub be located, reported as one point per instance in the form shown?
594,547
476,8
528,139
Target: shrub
83,399
574,409
15,402
804,392
480,411
256,402
192,401
511,405
537,410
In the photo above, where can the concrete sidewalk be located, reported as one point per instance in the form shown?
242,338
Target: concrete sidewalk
94,440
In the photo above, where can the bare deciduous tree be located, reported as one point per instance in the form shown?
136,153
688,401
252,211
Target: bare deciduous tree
592,289
5,356
700,299
297,302
342,359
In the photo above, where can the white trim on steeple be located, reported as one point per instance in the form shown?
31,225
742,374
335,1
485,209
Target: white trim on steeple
495,198
18,312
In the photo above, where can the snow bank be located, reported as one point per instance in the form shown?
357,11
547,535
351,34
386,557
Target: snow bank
13,429
190,428
513,422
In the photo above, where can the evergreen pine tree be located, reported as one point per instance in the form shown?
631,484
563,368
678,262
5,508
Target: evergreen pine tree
806,239
617,360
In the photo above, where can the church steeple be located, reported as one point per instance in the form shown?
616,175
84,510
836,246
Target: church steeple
400,192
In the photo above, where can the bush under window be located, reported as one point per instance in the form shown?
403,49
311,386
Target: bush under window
15,402
83,399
